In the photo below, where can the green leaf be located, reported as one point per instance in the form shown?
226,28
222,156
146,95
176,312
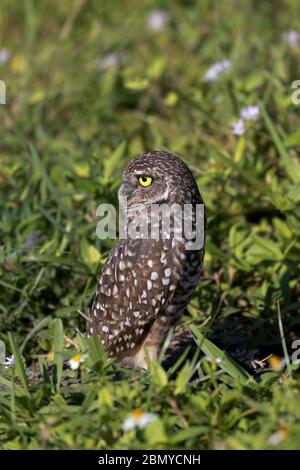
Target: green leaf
155,432
96,351
136,84
158,375
189,433
183,378
282,228
227,364
156,69
58,352
111,163
282,202
20,369
269,247
294,193
89,253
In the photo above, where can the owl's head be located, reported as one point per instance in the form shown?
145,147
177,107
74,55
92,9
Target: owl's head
158,177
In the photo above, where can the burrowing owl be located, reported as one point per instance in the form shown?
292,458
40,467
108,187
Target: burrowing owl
148,280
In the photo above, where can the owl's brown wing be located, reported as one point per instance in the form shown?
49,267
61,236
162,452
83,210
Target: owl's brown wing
135,284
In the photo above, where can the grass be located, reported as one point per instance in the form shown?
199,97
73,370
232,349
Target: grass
70,124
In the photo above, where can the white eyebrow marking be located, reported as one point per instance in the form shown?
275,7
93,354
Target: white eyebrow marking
138,172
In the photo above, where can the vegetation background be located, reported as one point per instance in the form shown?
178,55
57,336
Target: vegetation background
89,85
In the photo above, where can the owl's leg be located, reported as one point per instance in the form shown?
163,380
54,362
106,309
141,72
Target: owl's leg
149,348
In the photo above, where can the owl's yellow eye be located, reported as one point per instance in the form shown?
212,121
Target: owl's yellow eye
145,181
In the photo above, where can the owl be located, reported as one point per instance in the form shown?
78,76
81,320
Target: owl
147,281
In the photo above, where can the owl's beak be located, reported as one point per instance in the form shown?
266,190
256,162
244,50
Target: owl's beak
126,189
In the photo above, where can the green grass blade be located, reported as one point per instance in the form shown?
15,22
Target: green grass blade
227,364
20,369
58,352
283,342
55,260
291,167
32,332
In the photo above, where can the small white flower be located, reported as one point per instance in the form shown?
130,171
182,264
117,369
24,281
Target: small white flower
276,363
9,361
5,55
138,419
108,61
75,361
216,70
238,128
292,38
250,113
278,436
213,360
157,20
